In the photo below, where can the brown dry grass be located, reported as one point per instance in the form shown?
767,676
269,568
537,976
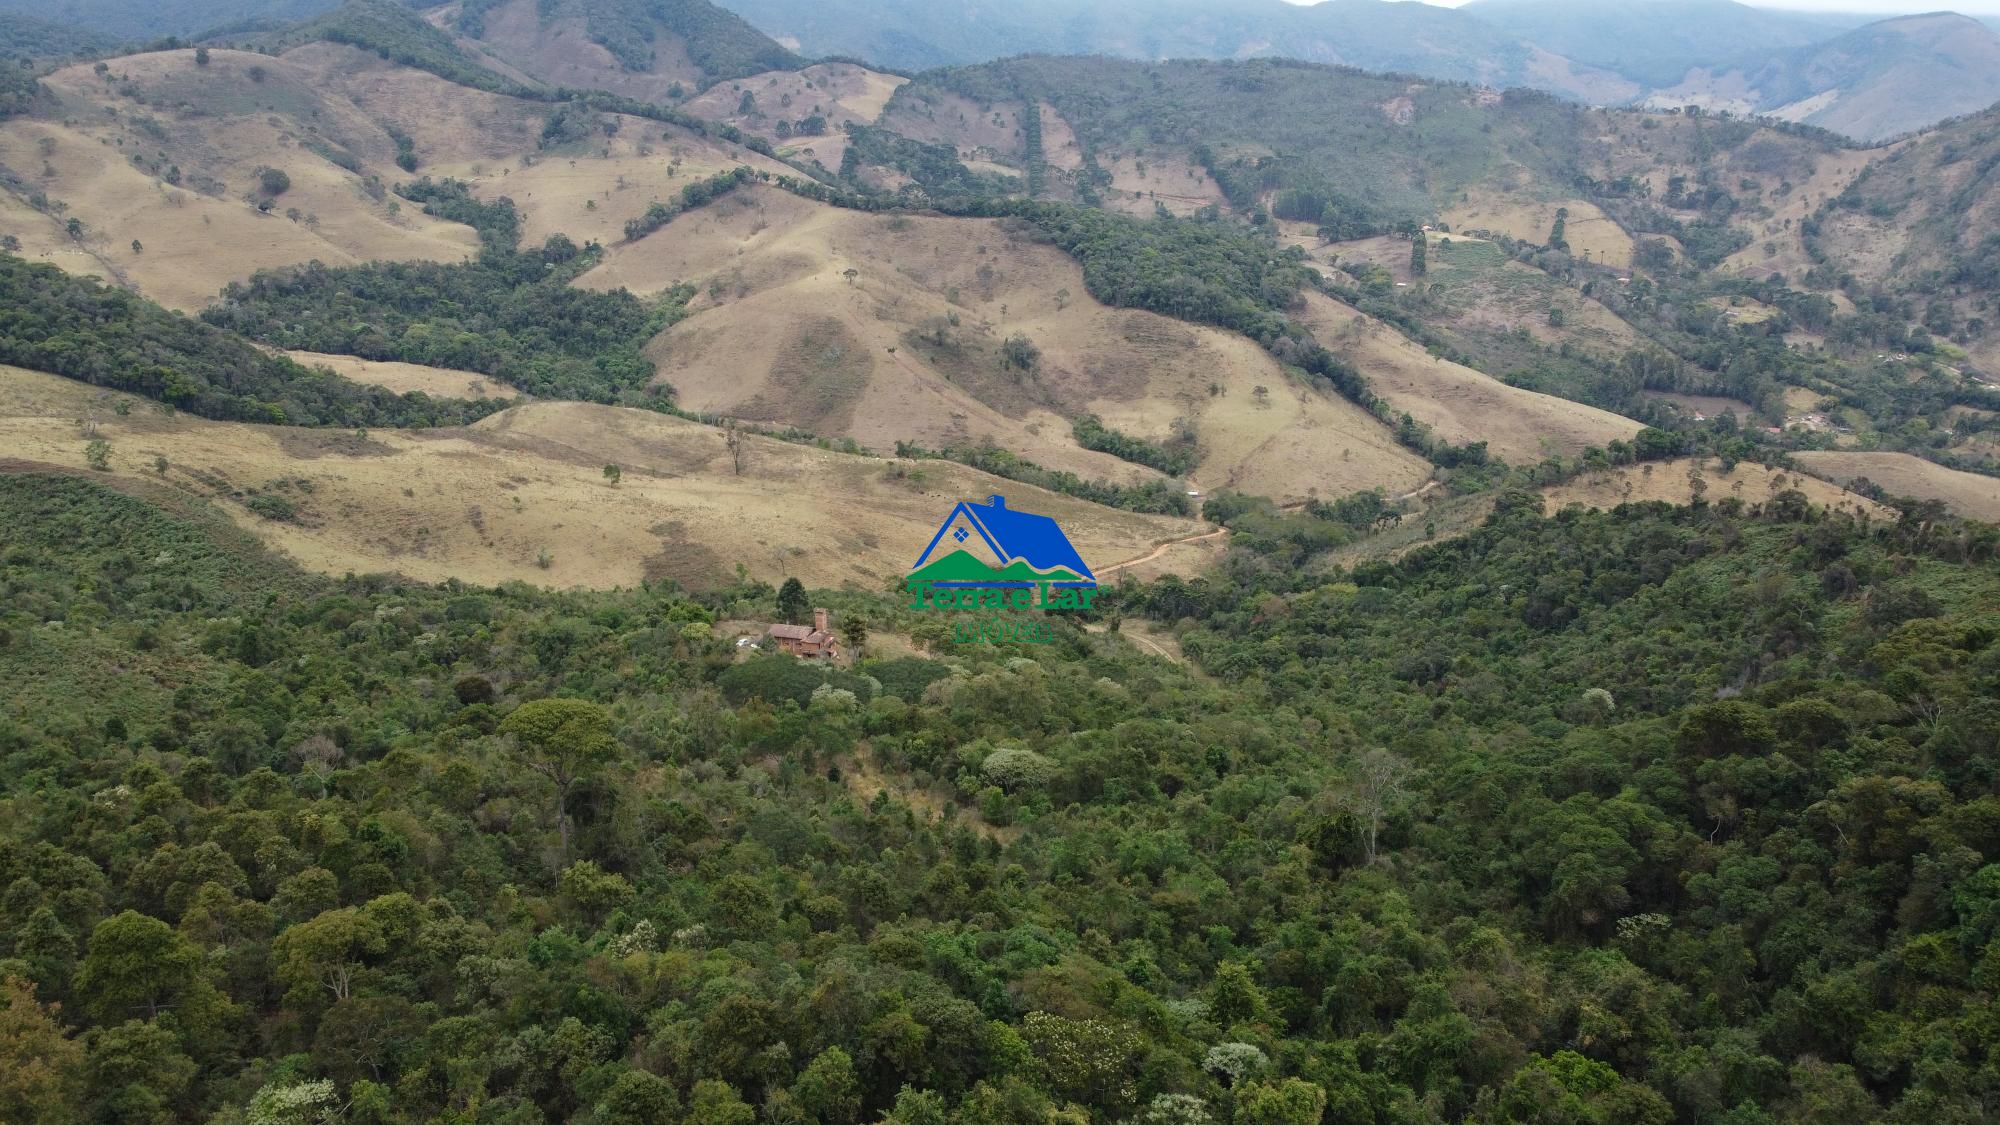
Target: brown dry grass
1461,405
1589,231
842,92
483,503
1672,482
1789,210
591,193
216,124
781,336
437,382
1903,474
560,53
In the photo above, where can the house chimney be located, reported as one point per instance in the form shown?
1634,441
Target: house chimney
997,501
819,620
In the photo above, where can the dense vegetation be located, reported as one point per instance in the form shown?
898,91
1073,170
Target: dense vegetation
1656,815
398,34
1173,458
508,313
1324,127
25,37
79,328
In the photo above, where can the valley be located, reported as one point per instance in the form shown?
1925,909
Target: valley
1170,562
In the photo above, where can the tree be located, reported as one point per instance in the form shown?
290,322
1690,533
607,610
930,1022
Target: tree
135,965
714,1102
613,474
1418,249
850,273
1291,1102
318,757
98,455
828,1088
138,247
1020,352
201,56
732,439
855,627
326,952
41,1069
295,1103
1374,786
639,1097
794,607
1235,997
273,181
564,740
1557,241
137,1073
75,228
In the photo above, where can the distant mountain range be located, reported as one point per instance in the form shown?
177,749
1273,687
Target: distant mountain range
1875,82
1868,80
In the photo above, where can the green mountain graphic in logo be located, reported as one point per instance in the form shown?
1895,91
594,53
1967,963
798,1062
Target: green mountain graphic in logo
961,566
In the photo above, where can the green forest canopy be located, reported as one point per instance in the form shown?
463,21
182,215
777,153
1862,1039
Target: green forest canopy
1652,815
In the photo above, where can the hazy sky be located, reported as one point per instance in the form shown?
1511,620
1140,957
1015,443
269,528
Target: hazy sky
1885,7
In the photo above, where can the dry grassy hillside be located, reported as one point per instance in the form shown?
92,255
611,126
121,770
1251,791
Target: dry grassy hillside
1592,235
106,153
492,502
1675,482
559,52
402,378
1461,405
1902,474
1474,287
843,93
910,348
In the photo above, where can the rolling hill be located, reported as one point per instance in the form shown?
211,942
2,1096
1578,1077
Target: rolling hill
913,348
1653,42
653,50
522,496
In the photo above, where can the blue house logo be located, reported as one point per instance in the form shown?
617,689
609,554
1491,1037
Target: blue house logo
990,556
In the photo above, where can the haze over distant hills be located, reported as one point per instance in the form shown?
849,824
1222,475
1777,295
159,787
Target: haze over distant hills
1820,68
1872,83
1868,80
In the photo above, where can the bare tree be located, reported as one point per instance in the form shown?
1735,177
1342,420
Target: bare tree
317,757
732,436
1374,789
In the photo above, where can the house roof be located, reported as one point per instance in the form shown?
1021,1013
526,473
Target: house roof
804,633
1037,540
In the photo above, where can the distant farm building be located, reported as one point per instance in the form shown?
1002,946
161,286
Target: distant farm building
815,642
